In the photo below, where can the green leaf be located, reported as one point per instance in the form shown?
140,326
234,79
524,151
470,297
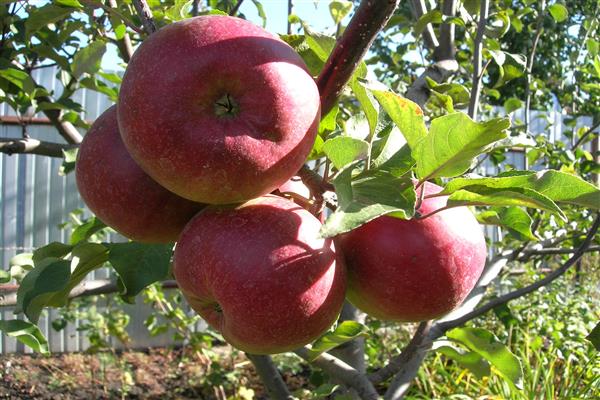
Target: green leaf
180,10
370,195
594,337
324,390
516,220
300,44
399,163
328,122
498,24
86,230
556,185
487,196
431,17
40,284
19,78
26,333
367,103
339,9
406,114
472,6
87,60
512,104
489,347
320,44
471,360
41,17
52,250
454,140
342,150
68,3
505,315
344,332
69,159
85,258
457,92
261,12
559,12
120,31
139,265
5,276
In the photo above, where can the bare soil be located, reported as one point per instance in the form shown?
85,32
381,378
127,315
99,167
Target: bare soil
152,374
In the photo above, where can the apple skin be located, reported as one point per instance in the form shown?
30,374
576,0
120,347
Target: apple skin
218,110
260,274
414,270
123,196
295,185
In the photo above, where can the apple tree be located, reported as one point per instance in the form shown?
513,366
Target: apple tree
392,125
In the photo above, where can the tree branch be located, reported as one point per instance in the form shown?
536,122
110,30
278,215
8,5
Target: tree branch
446,50
477,59
370,17
585,135
536,39
444,326
124,44
399,362
270,376
32,146
419,8
66,129
145,14
343,372
548,251
8,292
235,9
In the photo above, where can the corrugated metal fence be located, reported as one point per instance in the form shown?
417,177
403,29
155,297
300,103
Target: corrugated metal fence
35,201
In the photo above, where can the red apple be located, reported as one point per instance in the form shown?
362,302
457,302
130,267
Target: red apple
295,185
260,274
218,110
123,196
418,269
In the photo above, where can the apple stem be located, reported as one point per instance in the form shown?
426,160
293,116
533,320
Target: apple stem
226,106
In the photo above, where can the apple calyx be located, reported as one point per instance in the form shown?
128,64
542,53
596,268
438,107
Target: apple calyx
226,107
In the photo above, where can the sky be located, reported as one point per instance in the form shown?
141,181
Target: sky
315,12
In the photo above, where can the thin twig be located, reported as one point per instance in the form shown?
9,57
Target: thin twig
585,135
112,10
235,9
145,14
536,39
552,251
444,326
419,8
477,59
369,19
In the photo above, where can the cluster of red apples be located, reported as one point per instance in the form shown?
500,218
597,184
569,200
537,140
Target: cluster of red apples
214,114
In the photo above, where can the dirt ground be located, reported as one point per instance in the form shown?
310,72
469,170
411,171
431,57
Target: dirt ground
153,374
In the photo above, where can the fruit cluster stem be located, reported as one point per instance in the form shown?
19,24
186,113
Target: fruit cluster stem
370,18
